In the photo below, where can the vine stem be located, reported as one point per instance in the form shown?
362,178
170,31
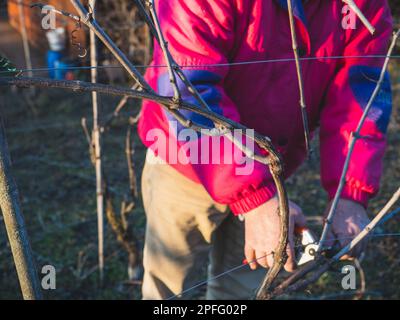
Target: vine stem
299,76
164,48
15,226
96,142
360,15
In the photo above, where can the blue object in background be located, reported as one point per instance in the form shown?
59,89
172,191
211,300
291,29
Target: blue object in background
62,67
52,58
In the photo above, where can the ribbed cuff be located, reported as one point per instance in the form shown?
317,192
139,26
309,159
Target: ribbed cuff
354,194
253,200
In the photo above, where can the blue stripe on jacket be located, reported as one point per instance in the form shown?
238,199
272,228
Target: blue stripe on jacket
298,9
205,82
363,81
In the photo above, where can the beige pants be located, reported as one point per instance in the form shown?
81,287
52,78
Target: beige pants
185,230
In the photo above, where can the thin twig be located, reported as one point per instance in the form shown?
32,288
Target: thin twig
361,292
164,48
86,131
129,153
121,104
299,77
125,237
362,17
154,26
55,10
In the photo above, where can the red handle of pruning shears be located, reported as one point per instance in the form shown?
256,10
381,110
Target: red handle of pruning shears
300,230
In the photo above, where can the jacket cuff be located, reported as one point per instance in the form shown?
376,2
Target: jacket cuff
253,200
354,194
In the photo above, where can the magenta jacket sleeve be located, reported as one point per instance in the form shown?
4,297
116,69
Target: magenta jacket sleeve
348,95
202,34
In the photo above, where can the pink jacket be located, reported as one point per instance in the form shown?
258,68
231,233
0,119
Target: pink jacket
210,38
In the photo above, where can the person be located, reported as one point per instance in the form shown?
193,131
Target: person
238,54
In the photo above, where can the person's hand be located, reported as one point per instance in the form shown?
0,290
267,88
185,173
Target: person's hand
349,220
262,233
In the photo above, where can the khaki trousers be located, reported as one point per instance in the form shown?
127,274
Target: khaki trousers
186,230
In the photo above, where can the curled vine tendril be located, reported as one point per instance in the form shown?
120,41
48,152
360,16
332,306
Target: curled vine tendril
82,52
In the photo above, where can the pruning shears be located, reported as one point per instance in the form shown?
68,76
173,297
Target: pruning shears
306,246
